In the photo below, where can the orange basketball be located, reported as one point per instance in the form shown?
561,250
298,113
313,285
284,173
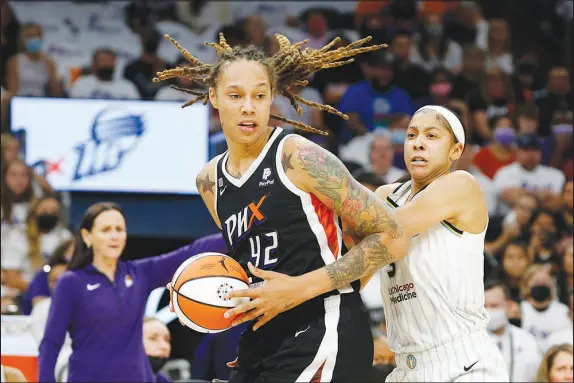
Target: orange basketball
199,287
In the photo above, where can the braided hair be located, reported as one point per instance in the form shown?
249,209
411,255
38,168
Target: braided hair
290,66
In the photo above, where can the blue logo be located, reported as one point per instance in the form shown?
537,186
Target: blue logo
114,133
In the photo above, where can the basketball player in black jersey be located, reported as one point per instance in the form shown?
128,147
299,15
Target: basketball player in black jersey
277,198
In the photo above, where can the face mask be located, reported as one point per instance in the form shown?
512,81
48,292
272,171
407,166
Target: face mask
505,135
34,45
46,222
497,319
105,74
548,239
150,46
157,363
565,129
515,322
540,293
440,89
398,136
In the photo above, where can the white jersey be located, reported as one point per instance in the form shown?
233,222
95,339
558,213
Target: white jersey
436,293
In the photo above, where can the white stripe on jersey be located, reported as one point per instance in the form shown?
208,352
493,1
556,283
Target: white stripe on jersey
436,293
312,217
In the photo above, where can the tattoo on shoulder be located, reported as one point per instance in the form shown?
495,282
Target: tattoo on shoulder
205,184
286,162
363,213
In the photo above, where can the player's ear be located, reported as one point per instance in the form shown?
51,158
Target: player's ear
213,97
456,151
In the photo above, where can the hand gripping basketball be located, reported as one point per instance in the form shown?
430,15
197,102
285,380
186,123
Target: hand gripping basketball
279,293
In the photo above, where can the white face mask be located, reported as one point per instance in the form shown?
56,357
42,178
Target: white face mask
497,319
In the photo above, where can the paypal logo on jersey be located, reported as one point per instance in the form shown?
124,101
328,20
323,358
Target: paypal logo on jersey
114,133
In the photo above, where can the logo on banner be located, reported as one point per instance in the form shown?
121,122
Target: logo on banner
114,133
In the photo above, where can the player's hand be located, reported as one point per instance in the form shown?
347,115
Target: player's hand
279,293
168,286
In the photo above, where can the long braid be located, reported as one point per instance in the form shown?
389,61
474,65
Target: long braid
290,66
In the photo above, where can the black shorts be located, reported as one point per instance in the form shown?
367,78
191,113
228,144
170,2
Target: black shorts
310,343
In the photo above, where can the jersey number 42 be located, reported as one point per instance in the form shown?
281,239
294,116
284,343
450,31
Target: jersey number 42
263,244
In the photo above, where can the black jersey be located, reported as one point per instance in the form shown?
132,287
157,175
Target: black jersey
270,222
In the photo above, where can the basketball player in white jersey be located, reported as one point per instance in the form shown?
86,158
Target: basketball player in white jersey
434,296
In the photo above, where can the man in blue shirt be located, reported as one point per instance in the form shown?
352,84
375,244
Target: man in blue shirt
372,103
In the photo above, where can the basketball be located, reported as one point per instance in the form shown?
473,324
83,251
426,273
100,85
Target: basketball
199,287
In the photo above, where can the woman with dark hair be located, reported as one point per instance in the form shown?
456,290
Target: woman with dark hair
100,301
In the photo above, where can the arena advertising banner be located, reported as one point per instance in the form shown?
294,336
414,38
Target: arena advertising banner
113,145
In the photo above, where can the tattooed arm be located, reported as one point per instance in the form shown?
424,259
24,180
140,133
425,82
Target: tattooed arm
368,221
380,239
205,183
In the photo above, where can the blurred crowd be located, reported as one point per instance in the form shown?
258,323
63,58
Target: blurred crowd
501,67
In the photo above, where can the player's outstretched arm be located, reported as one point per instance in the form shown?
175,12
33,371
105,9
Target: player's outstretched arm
455,197
382,241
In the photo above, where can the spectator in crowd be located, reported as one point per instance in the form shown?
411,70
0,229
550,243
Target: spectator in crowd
142,70
33,72
544,237
498,54
556,96
560,143
200,15
381,157
102,84
411,77
526,118
140,14
9,38
39,288
316,26
27,248
518,220
17,192
527,174
518,347
55,268
514,262
500,151
486,184
434,49
566,271
81,301
368,179
556,365
10,148
467,25
371,104
565,335
541,313
254,28
525,79
494,98
311,116
168,93
566,210
157,346
471,74
439,90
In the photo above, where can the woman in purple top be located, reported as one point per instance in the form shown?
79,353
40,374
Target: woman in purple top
100,301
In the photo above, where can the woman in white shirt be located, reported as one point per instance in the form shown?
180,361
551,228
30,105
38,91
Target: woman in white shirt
542,314
26,249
